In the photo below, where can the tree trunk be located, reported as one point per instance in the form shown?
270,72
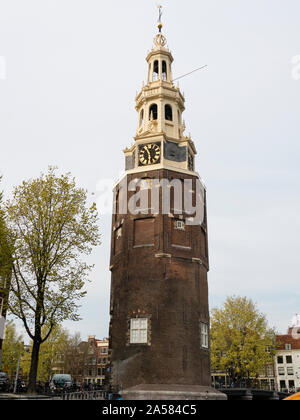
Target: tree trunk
34,366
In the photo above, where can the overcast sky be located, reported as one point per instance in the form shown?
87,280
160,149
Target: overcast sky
69,73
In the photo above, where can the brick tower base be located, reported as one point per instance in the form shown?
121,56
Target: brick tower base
172,392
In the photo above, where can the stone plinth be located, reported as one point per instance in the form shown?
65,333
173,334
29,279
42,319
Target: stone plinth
172,392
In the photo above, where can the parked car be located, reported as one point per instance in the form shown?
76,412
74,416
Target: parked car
4,382
61,382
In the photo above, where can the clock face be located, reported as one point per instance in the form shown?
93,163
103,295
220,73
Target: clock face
149,154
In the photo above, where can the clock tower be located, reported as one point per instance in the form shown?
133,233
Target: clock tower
159,316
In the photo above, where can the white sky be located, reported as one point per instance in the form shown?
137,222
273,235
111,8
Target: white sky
72,71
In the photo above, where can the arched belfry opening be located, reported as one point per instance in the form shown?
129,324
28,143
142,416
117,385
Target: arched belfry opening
153,112
155,74
164,70
168,113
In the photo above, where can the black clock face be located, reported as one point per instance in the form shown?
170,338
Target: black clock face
149,154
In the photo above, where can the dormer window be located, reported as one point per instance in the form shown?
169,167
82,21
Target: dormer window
153,112
155,71
164,70
168,113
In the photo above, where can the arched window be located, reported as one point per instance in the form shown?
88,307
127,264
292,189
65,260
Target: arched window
153,112
168,113
164,70
141,117
155,71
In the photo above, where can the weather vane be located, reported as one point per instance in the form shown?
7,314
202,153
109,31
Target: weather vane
159,17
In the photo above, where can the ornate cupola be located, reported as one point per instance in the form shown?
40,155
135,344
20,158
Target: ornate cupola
160,138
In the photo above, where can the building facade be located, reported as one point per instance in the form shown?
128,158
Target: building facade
159,325
287,360
88,363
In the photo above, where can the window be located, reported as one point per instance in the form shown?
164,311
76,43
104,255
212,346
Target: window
282,384
280,360
291,384
290,371
168,113
155,71
289,359
138,330
281,371
164,70
270,371
153,112
179,224
288,347
104,350
204,335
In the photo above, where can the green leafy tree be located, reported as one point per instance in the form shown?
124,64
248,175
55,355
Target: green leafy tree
242,344
13,348
50,352
53,227
6,249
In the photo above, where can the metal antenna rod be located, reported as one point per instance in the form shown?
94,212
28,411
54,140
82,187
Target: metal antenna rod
180,77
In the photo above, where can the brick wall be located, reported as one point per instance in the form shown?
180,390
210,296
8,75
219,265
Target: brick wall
161,274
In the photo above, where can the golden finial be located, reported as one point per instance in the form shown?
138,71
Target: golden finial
160,40
160,25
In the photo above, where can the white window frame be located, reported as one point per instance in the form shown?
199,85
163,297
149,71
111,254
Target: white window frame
290,370
281,371
270,371
288,347
179,224
204,334
138,330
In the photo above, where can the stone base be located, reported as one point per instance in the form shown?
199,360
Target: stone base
172,392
